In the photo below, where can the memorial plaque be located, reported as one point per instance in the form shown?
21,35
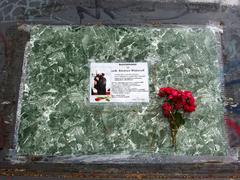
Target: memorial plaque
93,90
119,82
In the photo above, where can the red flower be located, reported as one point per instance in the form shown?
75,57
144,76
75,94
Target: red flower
188,101
178,104
169,92
161,92
176,100
188,108
166,109
165,91
175,104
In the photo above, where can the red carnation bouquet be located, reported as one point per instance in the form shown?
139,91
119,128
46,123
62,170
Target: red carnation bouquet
176,105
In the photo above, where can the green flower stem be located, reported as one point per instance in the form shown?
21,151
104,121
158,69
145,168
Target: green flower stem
173,128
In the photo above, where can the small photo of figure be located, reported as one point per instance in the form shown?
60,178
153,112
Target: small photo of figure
100,87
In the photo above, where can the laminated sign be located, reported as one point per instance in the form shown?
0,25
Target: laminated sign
119,82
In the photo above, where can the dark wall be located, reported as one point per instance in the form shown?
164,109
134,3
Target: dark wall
14,13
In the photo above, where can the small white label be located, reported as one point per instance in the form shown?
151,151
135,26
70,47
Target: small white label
119,82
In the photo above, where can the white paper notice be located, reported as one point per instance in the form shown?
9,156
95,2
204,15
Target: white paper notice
119,82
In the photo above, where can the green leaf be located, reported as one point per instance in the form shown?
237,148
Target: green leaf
179,119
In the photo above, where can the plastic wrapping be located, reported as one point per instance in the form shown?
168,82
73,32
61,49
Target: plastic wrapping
57,118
